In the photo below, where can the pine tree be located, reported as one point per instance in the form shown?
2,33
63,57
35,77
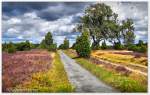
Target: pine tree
83,45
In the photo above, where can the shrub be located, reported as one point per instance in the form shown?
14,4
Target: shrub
23,46
132,47
95,46
11,48
65,45
104,46
47,43
52,47
4,47
73,46
118,46
142,48
83,45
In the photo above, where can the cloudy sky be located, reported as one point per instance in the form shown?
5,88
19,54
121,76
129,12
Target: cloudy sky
32,20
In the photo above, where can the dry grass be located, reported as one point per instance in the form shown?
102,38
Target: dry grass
120,58
127,58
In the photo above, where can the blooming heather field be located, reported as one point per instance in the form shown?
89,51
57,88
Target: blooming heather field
19,67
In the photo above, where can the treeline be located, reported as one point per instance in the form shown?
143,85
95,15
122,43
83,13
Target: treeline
22,46
46,43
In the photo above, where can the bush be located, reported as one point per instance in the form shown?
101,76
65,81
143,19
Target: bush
83,45
52,47
65,45
132,47
47,43
104,46
73,46
23,46
95,46
118,46
11,48
142,48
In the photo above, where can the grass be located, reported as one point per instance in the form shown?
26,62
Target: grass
54,80
123,83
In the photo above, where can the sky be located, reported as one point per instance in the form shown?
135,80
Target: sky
32,20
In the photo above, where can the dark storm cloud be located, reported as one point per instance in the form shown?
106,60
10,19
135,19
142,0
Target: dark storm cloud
18,8
49,11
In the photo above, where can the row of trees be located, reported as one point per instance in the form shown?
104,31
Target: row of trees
46,43
13,47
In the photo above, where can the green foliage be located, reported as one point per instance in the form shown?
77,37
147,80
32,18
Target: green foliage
118,46
4,47
129,38
103,24
95,46
73,46
83,45
95,19
143,48
27,45
65,45
11,48
127,29
140,43
47,43
104,46
52,47
43,44
140,47
48,39
23,46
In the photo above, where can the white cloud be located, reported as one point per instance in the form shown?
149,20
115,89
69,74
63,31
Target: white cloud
30,15
29,26
14,21
12,31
